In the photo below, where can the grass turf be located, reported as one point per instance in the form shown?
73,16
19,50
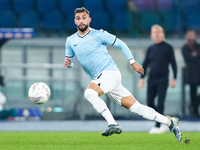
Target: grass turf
94,141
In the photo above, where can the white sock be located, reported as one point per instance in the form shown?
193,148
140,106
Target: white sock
99,105
149,113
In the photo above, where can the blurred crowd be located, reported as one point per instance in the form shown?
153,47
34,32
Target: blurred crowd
130,18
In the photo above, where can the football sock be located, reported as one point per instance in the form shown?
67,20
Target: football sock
99,105
148,113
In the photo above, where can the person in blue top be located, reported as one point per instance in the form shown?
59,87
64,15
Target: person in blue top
89,46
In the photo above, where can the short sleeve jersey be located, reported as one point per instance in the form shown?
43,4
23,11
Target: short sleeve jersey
91,52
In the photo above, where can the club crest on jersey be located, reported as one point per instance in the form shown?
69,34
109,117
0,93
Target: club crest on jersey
91,40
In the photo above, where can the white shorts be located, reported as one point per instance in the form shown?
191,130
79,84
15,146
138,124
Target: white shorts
110,83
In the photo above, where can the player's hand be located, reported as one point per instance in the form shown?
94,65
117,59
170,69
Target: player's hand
140,83
138,68
67,62
173,83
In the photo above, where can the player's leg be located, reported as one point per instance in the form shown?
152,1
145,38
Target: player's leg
150,114
92,94
123,97
106,81
146,112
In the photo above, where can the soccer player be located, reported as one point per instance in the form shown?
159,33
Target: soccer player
89,46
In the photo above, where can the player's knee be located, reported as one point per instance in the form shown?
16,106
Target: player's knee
90,92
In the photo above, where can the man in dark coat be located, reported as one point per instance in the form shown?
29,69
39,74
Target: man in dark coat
191,54
159,56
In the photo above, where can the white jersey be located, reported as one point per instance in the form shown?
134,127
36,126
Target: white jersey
90,50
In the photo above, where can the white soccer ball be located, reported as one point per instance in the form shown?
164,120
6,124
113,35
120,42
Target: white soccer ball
39,93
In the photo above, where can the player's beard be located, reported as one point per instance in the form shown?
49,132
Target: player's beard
83,29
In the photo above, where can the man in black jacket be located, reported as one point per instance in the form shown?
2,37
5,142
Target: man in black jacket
158,58
191,54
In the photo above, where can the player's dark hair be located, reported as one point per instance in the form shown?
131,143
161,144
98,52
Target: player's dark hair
80,10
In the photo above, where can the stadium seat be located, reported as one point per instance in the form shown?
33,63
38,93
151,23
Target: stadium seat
46,6
69,23
189,3
147,19
100,20
121,21
171,6
193,22
165,5
93,6
23,6
67,6
29,20
187,11
114,6
147,5
7,20
190,7
52,21
191,10
4,5
171,22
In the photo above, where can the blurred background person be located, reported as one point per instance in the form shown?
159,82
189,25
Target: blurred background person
191,54
8,114
2,96
3,112
158,58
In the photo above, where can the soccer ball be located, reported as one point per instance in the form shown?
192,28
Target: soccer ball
39,93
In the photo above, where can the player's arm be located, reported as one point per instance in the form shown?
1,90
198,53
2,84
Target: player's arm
69,55
68,62
126,51
112,40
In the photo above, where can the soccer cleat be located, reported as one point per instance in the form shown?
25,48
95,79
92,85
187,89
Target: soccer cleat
175,129
112,129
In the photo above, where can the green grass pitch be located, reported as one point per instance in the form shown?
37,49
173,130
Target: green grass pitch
94,141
